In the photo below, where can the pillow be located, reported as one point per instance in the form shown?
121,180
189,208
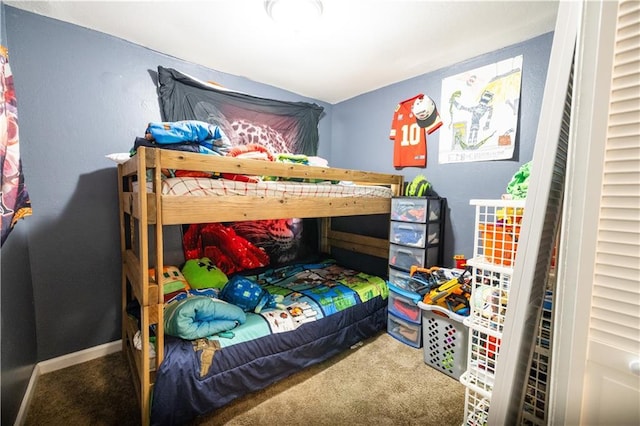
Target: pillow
202,273
249,295
119,157
254,151
172,279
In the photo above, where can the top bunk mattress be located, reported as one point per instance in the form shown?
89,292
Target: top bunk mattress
201,186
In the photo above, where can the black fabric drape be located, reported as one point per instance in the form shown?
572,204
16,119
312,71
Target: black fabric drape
244,118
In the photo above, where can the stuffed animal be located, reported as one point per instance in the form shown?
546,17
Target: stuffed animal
172,279
202,273
249,295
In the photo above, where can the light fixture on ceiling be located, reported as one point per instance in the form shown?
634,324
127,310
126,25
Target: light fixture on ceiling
293,13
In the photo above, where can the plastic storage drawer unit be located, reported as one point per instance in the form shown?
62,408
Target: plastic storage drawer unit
405,331
404,304
416,232
445,340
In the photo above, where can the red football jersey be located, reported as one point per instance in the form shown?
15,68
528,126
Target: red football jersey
410,146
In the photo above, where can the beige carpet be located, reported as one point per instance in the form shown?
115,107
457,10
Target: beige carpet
381,382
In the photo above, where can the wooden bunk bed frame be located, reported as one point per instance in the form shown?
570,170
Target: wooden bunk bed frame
142,212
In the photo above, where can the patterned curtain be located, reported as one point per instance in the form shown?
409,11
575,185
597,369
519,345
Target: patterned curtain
14,199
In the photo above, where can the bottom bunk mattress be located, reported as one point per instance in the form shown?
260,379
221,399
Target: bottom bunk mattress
325,309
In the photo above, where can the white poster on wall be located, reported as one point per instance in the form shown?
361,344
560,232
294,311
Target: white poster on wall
479,111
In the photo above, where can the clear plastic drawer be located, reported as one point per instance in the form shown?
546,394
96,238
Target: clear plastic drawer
403,257
416,209
409,234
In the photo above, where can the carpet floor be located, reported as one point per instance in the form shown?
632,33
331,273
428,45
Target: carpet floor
381,381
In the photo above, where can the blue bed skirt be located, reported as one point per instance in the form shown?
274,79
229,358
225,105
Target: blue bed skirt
180,394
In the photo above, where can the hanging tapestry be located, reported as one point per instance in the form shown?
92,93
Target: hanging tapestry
15,199
280,126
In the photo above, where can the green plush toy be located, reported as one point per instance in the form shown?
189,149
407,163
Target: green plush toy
202,273
172,279
519,184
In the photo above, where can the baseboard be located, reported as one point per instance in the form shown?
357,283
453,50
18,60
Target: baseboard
79,357
58,363
28,396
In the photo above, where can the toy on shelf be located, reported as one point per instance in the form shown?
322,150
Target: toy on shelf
510,215
490,302
461,261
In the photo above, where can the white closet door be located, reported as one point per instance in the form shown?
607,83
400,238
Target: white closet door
612,379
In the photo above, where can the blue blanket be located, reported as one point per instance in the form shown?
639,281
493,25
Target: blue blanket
201,316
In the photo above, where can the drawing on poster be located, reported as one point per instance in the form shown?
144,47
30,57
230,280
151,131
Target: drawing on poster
480,113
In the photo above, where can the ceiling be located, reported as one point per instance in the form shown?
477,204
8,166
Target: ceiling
354,47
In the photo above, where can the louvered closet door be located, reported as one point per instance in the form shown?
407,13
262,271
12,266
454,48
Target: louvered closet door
612,389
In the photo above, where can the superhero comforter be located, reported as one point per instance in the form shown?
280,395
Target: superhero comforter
326,308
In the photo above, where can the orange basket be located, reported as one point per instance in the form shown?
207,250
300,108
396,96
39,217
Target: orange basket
498,224
500,242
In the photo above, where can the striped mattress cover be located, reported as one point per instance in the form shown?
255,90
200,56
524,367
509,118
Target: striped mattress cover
282,189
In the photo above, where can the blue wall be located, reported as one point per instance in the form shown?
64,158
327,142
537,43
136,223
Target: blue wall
82,94
18,347
361,138
18,352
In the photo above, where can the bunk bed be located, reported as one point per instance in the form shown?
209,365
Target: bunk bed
244,367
